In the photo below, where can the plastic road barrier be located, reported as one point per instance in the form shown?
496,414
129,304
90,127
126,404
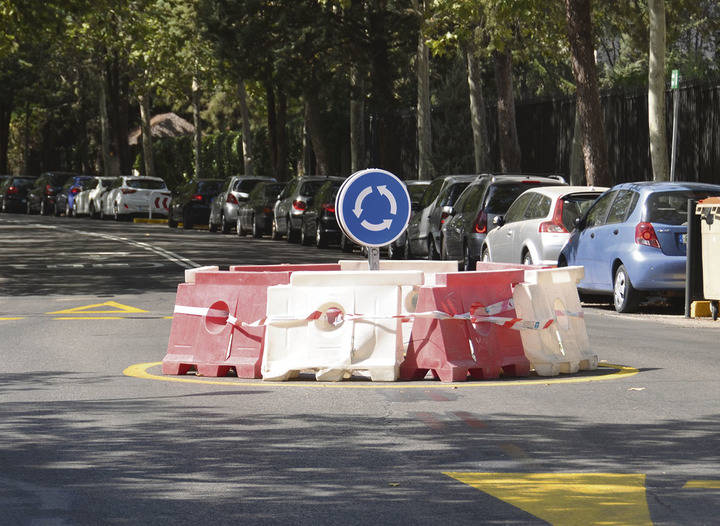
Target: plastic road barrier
709,210
207,333
561,346
477,339
339,323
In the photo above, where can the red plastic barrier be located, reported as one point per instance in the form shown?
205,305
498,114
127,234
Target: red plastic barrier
286,267
200,335
455,348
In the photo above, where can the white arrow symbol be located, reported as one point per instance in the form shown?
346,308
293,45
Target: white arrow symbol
385,225
358,202
390,197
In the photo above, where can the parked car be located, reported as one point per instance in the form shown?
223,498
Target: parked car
90,201
256,214
632,241
318,224
190,204
416,189
291,205
132,195
471,218
538,224
42,195
224,208
423,232
65,198
13,192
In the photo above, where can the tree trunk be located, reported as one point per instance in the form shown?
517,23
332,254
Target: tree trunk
281,157
509,146
246,133
477,113
271,125
5,115
357,121
424,119
656,92
144,101
105,129
314,129
595,151
577,167
197,134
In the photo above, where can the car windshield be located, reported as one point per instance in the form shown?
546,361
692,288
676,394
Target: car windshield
503,195
311,187
574,207
453,193
22,183
272,190
246,185
60,179
146,184
416,191
670,208
209,187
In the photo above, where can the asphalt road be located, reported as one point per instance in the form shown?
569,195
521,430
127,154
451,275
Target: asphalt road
82,442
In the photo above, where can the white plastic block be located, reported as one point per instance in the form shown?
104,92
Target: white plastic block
563,347
190,273
371,345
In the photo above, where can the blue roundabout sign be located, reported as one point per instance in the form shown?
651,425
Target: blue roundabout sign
373,207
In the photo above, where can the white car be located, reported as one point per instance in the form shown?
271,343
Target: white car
90,201
538,224
139,196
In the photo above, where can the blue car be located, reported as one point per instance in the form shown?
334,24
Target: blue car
65,200
632,241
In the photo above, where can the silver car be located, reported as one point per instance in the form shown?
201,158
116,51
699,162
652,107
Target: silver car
225,206
538,224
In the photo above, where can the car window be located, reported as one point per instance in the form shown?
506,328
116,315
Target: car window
670,208
271,191
89,185
310,187
538,207
517,209
501,196
469,200
621,206
209,187
574,207
145,184
431,193
22,183
596,215
416,192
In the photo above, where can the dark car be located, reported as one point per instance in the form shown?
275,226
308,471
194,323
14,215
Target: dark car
319,224
471,218
225,206
190,204
398,248
632,241
43,194
291,205
256,214
423,232
65,198
13,192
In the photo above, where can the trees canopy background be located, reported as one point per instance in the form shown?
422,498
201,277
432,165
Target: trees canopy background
297,76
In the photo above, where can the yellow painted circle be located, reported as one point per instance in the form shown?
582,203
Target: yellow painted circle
140,370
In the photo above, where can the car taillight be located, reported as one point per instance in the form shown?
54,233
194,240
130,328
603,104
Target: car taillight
645,235
555,225
481,223
329,207
299,205
128,190
75,190
267,210
443,216
196,197
231,199
12,190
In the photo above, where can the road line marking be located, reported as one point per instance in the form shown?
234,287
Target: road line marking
16,318
140,370
116,308
568,498
91,318
702,484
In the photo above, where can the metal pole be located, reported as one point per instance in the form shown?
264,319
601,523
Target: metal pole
673,155
374,258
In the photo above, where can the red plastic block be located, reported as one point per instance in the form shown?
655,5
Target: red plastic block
287,267
454,348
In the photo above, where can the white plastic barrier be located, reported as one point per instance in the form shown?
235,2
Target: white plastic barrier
429,268
563,346
190,273
367,340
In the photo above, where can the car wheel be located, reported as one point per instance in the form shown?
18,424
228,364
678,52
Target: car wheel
28,210
224,225
714,310
239,228
116,212
274,234
293,236
321,240
432,251
304,237
527,259
256,232
625,297
345,244
43,211
212,227
68,210
486,255
469,262
187,220
171,222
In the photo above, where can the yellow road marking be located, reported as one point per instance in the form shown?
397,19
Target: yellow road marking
702,484
568,498
91,318
114,308
140,370
12,318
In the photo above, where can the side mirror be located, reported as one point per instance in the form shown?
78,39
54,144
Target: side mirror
498,220
579,223
448,211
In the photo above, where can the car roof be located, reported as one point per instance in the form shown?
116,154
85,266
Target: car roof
514,178
665,186
560,190
137,177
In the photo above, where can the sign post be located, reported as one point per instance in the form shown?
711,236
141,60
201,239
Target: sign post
674,85
373,208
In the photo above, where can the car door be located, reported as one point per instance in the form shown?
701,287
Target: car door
588,249
612,239
419,220
501,240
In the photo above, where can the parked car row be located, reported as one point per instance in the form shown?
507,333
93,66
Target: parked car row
630,238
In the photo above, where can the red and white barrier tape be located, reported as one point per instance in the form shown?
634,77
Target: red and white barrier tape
336,317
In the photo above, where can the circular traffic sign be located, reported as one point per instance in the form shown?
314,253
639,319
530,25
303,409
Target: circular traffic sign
373,207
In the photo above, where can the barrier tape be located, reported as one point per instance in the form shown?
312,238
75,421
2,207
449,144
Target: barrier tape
336,317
